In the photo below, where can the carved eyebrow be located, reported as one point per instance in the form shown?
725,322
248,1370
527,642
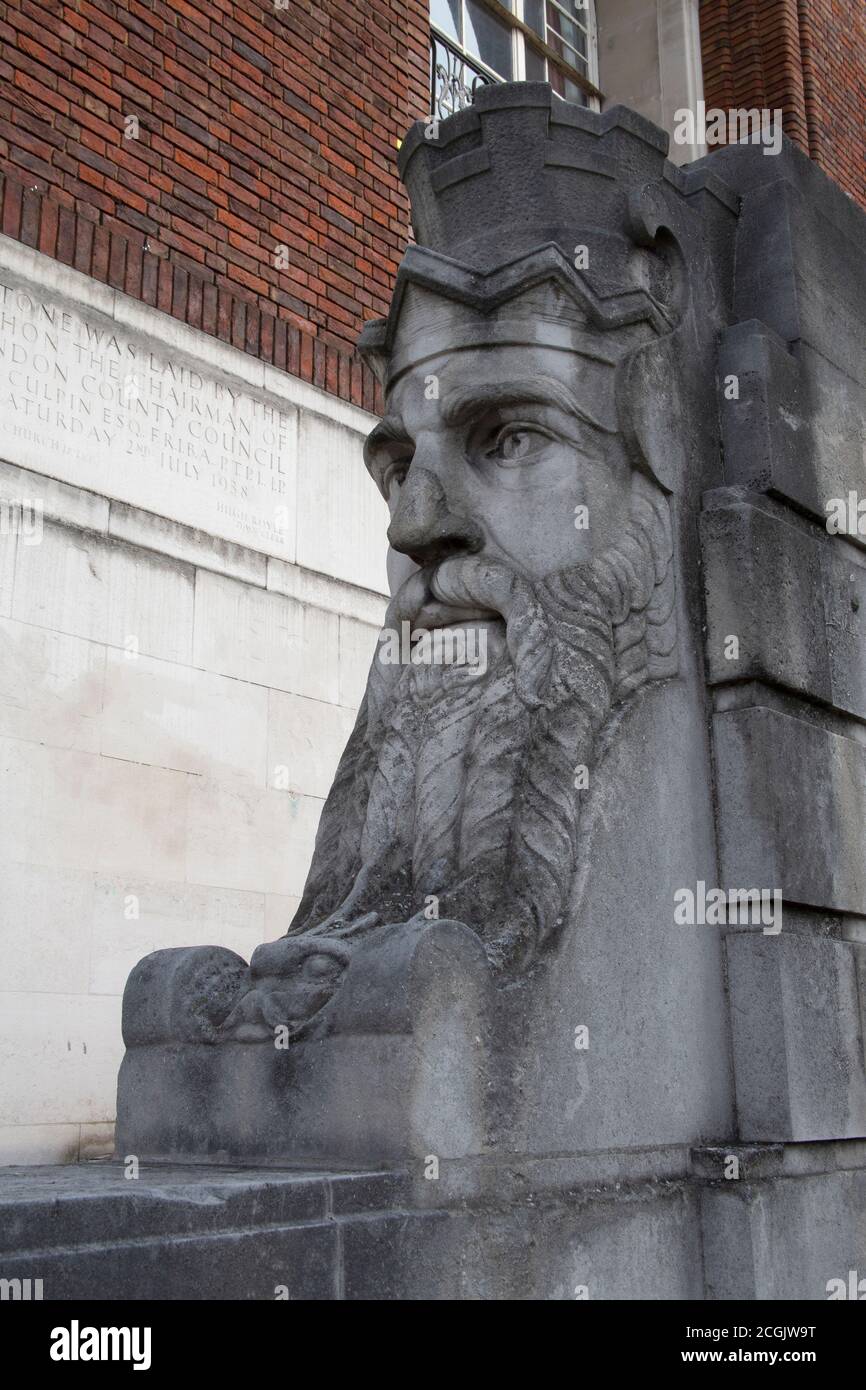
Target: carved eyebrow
465,402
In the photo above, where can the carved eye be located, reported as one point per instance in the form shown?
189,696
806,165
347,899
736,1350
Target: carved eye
387,460
321,966
516,444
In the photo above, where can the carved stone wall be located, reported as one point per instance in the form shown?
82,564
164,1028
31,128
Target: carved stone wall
185,628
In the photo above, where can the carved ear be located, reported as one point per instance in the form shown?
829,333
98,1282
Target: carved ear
647,395
658,264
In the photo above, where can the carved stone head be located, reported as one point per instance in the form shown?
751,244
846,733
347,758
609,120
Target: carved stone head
523,508
496,860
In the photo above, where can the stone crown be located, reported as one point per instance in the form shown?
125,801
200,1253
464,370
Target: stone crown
504,192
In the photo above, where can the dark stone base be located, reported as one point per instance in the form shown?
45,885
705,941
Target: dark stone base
527,1229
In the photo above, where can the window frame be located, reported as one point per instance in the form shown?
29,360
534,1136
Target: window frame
521,35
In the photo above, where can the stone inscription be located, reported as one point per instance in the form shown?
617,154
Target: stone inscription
84,402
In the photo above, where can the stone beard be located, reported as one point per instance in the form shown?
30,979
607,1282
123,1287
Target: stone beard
465,785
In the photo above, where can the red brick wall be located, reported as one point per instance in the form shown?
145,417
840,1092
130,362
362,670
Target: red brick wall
262,127
807,57
259,127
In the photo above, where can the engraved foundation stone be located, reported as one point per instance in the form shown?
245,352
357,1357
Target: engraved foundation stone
91,401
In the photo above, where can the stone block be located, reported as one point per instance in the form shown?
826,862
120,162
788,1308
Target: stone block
179,1201
51,687
792,801
322,591
186,543
793,596
44,928
763,587
79,811
835,438
250,838
785,1237
294,1263
799,259
261,636
38,1144
357,649
83,585
96,1141
798,1051
8,553
59,1054
342,519
150,603
165,714
73,506
152,413
305,740
62,583
795,426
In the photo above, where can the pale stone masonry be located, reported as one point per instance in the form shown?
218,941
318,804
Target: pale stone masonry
173,702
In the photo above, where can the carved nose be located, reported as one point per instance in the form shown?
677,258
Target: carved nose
423,526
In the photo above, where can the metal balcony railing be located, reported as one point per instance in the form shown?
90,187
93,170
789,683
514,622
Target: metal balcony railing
454,78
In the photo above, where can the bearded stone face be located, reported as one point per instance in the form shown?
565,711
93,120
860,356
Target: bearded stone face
491,453
514,510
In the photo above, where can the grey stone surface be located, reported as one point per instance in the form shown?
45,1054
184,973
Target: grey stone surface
794,426
797,1036
797,342
799,252
176,1233
793,799
793,596
93,1233
394,1063
792,1220
788,1231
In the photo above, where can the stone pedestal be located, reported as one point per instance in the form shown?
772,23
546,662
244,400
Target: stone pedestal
659,1224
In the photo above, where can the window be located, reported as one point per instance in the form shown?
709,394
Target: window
474,42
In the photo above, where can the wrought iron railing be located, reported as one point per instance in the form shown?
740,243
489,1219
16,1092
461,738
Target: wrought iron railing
454,78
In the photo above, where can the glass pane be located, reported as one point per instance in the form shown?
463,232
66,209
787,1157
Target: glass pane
488,38
574,10
566,52
533,15
575,93
565,88
536,66
559,24
573,35
445,14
